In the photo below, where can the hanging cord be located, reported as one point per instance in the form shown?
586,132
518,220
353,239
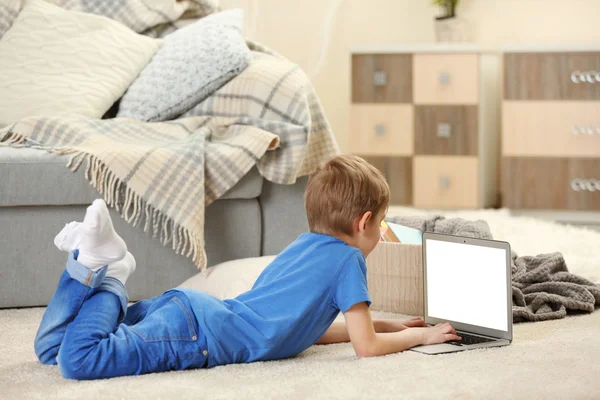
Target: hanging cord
326,32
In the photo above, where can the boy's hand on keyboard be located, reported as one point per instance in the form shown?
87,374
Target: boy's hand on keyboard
440,333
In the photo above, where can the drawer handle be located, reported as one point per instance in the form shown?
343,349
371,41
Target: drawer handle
583,130
590,185
585,76
379,78
444,78
444,182
379,130
444,130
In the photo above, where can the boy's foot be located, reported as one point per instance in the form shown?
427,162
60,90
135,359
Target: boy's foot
121,269
69,238
100,244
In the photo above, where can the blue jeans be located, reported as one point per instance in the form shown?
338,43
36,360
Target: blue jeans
89,331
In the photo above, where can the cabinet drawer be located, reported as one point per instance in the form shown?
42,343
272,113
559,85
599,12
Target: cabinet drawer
551,183
445,182
398,173
446,130
446,78
551,128
381,129
385,78
552,76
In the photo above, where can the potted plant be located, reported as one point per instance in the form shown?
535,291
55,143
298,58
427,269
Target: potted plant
448,27
448,8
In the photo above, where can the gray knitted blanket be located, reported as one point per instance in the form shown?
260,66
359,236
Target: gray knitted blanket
542,286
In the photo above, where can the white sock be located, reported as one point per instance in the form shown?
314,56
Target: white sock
121,269
69,238
100,244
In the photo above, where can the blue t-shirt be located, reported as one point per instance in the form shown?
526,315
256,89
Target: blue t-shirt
291,305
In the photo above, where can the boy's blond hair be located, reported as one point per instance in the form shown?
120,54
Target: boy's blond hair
340,191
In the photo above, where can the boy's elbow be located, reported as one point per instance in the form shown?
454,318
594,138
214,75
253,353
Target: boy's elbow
365,349
365,353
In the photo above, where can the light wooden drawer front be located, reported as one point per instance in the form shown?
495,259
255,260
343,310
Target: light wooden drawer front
446,130
446,78
381,129
398,173
551,128
551,183
552,76
385,78
445,181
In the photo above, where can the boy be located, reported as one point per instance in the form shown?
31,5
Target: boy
91,333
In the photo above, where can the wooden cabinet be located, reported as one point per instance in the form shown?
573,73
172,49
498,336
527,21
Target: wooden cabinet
445,181
382,78
551,128
552,76
382,129
427,118
446,78
550,183
446,130
551,131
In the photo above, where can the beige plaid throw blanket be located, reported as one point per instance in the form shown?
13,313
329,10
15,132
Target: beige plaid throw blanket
162,175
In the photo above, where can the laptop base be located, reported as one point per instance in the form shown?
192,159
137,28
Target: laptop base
449,348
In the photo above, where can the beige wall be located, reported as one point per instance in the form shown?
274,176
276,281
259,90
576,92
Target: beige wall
293,28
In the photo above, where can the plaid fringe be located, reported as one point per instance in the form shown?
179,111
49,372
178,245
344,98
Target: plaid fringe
132,207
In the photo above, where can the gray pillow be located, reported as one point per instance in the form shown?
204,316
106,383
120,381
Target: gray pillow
192,63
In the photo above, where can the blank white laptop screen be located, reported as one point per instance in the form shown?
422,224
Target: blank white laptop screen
467,283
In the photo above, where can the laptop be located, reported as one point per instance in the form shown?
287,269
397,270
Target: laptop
467,282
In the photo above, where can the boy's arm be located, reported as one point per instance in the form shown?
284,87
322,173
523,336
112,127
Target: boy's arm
368,343
338,332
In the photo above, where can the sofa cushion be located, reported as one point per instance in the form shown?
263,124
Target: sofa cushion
35,177
30,265
59,62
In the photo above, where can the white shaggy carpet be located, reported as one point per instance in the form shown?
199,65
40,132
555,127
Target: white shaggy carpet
554,359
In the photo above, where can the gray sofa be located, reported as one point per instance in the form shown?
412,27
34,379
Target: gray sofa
38,195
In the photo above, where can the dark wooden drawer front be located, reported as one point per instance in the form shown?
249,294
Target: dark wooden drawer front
446,130
551,183
381,78
398,173
552,76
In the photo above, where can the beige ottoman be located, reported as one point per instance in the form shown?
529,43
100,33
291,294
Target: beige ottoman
395,277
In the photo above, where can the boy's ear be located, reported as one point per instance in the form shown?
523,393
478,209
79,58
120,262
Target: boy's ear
364,220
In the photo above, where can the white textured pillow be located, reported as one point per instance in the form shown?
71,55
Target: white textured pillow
59,62
193,63
229,279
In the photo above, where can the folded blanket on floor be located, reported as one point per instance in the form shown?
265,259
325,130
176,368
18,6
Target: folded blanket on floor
542,286
162,175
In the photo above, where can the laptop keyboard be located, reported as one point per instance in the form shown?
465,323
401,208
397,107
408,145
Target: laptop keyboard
469,339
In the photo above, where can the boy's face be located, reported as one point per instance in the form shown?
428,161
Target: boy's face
369,231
